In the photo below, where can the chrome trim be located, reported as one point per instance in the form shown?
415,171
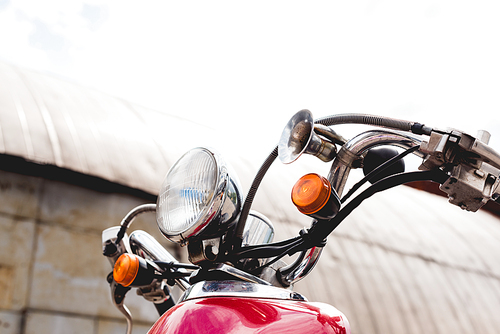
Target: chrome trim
301,268
145,246
355,147
328,133
238,289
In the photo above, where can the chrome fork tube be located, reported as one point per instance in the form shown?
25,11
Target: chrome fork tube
354,148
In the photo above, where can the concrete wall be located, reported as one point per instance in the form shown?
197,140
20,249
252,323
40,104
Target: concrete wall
52,273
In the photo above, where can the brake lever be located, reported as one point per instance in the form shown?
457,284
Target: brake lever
118,293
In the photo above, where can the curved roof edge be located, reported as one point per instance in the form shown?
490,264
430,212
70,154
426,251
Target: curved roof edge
19,165
50,121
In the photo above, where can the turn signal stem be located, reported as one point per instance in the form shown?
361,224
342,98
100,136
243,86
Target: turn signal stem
313,195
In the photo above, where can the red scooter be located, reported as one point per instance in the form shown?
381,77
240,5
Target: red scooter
237,281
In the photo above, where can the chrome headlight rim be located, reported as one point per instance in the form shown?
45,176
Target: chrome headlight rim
215,205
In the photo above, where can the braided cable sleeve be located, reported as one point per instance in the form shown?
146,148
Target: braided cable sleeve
129,218
385,122
251,194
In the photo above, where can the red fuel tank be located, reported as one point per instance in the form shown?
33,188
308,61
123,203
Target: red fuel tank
221,315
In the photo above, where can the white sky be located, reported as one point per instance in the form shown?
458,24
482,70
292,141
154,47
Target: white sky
247,67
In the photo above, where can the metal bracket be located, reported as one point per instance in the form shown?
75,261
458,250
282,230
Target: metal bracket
156,292
474,178
439,150
349,159
203,250
470,188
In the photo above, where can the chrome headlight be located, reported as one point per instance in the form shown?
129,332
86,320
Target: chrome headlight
198,196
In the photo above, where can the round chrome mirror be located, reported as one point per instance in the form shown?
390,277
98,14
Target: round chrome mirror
258,230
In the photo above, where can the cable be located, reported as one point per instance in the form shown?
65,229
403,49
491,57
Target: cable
129,218
288,251
267,250
323,228
274,244
378,170
381,121
240,225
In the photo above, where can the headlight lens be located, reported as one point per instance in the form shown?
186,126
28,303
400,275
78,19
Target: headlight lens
193,193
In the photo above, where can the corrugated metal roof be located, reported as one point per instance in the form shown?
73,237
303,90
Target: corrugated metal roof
52,121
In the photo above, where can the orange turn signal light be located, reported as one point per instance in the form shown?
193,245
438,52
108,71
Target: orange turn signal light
126,269
311,193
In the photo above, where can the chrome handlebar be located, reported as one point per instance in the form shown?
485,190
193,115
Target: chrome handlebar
473,167
350,155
